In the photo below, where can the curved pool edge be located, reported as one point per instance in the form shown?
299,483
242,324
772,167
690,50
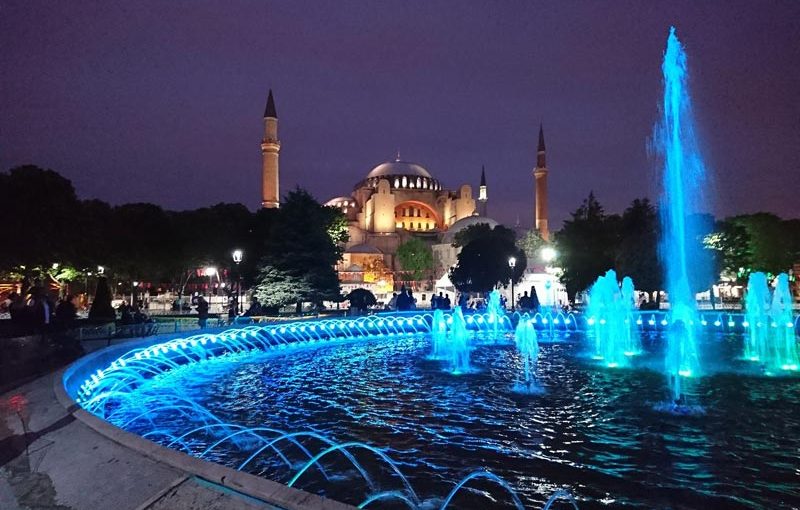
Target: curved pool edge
262,489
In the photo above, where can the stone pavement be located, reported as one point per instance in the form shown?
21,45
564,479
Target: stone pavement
51,459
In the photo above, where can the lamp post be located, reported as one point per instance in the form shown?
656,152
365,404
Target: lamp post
210,272
512,263
548,255
237,258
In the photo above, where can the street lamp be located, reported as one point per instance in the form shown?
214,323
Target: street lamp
548,254
238,255
512,263
210,272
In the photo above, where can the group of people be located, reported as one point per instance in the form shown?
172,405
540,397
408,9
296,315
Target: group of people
440,302
132,314
34,312
527,302
403,301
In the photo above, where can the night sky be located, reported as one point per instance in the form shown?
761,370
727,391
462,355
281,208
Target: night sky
163,101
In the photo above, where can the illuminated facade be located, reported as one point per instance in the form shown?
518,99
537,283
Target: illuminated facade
396,200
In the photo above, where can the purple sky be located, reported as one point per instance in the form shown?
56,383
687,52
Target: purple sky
162,101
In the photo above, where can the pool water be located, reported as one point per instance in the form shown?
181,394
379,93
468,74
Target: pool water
595,431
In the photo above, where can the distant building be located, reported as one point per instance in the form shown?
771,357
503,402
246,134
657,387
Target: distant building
395,201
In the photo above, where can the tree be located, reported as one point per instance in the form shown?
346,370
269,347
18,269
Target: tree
361,299
731,243
40,207
101,309
637,254
301,246
483,262
586,245
476,231
416,258
532,243
277,288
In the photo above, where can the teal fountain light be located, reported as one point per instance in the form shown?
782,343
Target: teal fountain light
528,350
683,177
458,344
782,326
612,321
771,338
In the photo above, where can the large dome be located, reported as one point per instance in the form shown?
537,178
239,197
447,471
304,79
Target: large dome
398,168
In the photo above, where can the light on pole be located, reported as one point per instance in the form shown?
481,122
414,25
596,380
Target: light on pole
238,255
210,272
512,263
548,254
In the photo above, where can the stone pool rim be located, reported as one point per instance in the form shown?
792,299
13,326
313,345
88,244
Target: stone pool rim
262,489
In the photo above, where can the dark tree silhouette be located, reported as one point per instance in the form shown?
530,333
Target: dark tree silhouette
483,261
101,310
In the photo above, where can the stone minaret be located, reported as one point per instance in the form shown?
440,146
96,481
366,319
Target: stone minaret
483,197
270,147
540,173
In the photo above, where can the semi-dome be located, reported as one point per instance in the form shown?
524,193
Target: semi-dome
398,168
464,223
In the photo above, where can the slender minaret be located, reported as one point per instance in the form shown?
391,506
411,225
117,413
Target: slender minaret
482,195
270,147
540,173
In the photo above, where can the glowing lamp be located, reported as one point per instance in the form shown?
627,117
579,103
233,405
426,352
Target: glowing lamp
548,254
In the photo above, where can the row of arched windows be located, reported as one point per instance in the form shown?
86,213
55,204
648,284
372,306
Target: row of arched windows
409,182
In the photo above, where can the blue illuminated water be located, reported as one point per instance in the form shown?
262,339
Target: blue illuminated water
613,325
525,339
684,175
771,341
593,431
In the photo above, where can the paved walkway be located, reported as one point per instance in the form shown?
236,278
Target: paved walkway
51,459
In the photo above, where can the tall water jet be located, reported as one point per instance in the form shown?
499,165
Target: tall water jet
782,351
438,335
528,349
494,312
458,344
633,344
757,304
683,177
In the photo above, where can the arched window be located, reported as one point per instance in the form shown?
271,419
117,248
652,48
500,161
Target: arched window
405,181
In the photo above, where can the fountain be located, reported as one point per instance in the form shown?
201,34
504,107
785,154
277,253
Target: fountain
494,312
611,315
528,349
458,344
438,335
633,344
770,339
757,305
784,344
683,177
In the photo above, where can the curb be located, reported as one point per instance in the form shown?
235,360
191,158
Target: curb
268,491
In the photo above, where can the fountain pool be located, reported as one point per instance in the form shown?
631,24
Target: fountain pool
321,415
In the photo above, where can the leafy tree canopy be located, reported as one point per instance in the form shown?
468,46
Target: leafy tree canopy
361,299
416,258
483,261
302,246
586,245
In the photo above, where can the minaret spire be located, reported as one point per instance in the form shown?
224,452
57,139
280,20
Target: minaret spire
269,111
270,148
483,195
540,174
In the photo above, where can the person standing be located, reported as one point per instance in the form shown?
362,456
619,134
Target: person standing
202,311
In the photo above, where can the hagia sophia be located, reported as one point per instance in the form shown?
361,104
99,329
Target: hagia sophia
394,201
